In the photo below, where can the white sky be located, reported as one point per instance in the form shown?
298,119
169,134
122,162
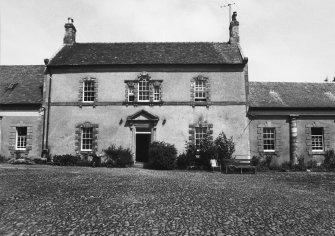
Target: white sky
285,40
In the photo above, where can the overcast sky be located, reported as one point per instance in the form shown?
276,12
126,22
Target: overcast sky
285,40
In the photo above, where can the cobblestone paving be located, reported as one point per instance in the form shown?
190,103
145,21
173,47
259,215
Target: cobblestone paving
46,200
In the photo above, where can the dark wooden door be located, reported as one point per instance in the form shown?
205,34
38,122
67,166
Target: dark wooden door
142,147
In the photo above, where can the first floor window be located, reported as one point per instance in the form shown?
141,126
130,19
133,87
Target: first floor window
87,139
317,139
200,134
156,94
200,91
269,138
21,138
88,91
131,96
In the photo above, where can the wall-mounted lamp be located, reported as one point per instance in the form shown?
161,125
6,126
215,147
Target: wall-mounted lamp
121,121
41,111
164,121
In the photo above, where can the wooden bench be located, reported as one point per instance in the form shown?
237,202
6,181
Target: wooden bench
239,164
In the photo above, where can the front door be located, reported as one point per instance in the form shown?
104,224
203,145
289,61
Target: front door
142,147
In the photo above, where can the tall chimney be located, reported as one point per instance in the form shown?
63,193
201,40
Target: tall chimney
234,36
70,32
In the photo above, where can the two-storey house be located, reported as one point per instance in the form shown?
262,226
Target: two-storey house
131,94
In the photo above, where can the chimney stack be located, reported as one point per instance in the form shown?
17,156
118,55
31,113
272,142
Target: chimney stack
70,32
234,36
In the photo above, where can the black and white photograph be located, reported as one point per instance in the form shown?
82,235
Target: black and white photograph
167,117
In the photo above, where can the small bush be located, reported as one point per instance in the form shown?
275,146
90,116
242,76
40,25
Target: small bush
312,164
329,162
300,166
255,161
207,152
225,147
2,159
65,160
118,157
162,156
40,161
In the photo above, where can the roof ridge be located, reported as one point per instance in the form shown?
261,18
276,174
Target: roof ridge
290,82
145,42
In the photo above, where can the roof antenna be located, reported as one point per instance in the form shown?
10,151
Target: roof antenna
228,5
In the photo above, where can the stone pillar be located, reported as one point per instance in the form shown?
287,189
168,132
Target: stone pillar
293,140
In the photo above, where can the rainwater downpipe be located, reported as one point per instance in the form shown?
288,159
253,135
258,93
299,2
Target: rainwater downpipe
48,116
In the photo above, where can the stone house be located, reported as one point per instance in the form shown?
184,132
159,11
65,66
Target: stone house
291,120
21,117
131,94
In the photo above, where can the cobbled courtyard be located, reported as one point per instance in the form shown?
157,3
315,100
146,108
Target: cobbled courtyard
48,200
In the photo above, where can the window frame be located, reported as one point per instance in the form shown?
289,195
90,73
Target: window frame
200,90
82,138
131,92
314,147
145,91
156,92
92,90
202,135
17,141
269,132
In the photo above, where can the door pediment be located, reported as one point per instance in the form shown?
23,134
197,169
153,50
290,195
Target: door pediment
141,117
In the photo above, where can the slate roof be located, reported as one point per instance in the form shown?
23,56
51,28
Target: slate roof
147,53
291,95
28,84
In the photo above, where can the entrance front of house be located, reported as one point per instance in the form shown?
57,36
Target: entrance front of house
143,127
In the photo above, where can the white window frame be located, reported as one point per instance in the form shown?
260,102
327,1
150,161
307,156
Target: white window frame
200,88
21,140
140,86
269,139
156,94
200,134
317,140
90,90
90,139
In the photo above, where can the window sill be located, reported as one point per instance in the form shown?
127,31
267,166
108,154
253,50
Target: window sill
317,152
143,103
200,103
87,104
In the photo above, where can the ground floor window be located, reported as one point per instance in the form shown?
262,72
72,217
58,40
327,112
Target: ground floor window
269,139
317,139
21,138
200,135
87,139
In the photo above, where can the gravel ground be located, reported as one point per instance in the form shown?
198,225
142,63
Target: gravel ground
47,200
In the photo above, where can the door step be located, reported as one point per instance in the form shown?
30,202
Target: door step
138,165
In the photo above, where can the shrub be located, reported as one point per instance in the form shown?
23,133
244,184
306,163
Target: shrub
255,161
40,161
300,166
162,156
65,160
225,147
2,159
207,152
118,157
329,161
312,164
188,158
